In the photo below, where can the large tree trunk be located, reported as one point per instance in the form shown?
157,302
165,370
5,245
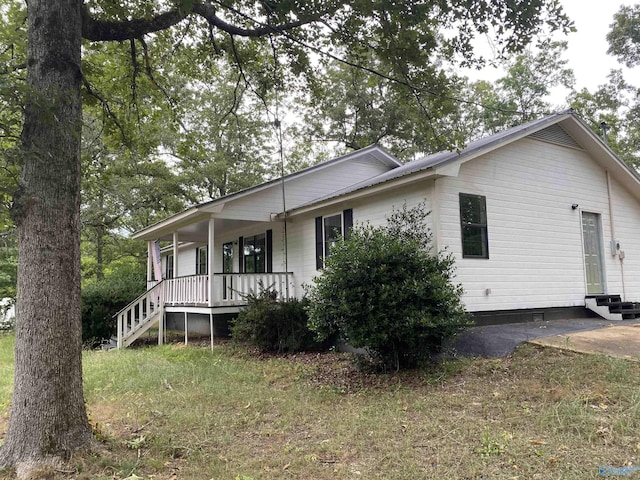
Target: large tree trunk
48,418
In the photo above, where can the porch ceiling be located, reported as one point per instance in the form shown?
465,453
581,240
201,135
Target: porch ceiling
198,232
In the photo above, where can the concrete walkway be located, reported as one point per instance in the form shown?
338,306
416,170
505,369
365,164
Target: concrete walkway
593,335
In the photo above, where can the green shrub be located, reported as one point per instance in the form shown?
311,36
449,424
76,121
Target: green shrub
103,299
384,290
274,325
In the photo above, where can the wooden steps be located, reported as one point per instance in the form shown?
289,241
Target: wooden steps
139,316
612,307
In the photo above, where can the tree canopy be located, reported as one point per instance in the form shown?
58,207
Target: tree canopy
624,36
127,85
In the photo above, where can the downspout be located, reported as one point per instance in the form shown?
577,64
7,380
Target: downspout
613,232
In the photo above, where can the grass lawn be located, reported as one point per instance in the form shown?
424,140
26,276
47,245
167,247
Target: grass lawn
187,413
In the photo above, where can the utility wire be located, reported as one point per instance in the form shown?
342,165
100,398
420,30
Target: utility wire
278,129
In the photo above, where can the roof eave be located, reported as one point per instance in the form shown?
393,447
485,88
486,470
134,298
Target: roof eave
163,227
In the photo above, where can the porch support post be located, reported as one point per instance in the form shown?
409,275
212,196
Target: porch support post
210,262
186,338
211,325
150,276
175,254
161,325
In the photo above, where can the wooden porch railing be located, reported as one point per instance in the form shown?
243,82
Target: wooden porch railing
137,317
228,288
235,286
192,290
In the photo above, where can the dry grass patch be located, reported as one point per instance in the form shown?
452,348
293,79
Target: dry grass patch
170,412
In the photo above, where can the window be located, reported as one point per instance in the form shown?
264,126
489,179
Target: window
201,260
227,257
473,223
169,266
227,267
332,232
329,229
255,253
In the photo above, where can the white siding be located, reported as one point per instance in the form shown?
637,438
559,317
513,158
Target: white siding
535,237
374,209
626,213
186,262
187,259
302,190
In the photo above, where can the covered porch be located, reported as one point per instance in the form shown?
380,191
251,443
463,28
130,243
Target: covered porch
216,256
212,259
192,294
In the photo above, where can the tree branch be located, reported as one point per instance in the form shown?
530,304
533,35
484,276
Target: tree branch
106,108
104,30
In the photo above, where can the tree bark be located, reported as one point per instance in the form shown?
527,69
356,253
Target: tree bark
48,417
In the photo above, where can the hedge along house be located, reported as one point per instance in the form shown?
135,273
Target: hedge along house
543,219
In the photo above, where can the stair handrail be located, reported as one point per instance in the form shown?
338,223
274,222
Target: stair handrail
120,316
138,298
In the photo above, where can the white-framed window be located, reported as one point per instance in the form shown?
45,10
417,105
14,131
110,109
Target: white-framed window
201,260
329,229
169,269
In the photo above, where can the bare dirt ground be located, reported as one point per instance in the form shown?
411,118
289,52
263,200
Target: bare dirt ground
615,340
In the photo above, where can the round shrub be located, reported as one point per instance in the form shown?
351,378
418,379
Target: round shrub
385,290
275,325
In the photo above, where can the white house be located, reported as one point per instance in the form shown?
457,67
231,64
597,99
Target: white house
543,219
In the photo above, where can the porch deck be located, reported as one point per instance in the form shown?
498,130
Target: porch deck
218,293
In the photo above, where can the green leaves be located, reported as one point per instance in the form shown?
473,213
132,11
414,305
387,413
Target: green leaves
383,290
185,7
617,103
624,37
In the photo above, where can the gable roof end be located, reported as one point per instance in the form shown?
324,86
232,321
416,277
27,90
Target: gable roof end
571,132
372,152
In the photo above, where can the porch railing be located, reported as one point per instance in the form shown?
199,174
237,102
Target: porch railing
228,288
192,290
235,286
140,315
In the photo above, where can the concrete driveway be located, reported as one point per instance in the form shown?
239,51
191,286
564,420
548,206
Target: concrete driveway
592,335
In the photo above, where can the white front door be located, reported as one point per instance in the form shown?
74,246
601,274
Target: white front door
593,261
